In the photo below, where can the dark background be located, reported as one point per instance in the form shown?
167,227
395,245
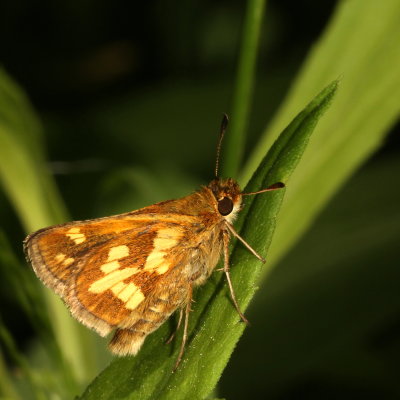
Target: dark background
131,94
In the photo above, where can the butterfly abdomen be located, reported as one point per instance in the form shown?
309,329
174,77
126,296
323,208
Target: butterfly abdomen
127,342
129,338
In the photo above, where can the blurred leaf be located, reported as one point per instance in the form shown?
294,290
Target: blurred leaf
359,45
167,111
126,189
7,341
23,172
214,325
31,190
25,291
7,390
242,98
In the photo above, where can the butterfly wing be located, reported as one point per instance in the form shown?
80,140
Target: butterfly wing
110,271
128,275
129,271
58,252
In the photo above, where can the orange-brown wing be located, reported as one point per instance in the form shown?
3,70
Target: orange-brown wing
57,252
105,268
120,277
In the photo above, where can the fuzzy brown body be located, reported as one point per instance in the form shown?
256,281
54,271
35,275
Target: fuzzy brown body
130,272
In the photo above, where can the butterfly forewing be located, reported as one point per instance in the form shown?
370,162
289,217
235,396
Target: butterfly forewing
112,271
58,252
120,276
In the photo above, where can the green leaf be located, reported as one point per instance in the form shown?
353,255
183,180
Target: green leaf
26,180
214,327
235,142
23,172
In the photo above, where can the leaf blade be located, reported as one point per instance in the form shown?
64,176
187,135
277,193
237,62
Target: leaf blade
210,346
32,191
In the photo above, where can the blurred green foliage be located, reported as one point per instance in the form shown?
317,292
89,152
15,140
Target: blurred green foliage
129,98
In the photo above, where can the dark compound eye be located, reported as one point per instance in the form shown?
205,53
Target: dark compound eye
225,206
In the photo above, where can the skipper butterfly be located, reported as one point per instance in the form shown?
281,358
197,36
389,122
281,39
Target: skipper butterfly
128,273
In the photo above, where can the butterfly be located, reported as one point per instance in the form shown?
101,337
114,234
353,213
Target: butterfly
128,273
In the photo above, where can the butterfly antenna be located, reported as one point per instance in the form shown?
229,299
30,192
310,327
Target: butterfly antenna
275,186
224,125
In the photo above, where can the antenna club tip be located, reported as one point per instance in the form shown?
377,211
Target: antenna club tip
224,122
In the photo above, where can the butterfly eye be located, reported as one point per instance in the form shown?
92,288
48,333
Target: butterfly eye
225,206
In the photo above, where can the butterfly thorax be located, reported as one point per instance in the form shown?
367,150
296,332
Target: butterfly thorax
220,202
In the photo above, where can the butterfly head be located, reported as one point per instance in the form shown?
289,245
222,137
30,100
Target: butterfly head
227,193
228,197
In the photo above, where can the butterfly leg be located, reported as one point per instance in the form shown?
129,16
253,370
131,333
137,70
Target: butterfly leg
177,327
185,330
234,233
228,277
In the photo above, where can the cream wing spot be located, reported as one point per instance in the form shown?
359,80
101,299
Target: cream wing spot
165,243
135,300
68,261
109,280
127,292
162,268
110,266
118,252
60,257
165,240
118,288
154,259
76,235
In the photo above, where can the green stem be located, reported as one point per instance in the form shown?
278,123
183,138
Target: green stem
235,140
